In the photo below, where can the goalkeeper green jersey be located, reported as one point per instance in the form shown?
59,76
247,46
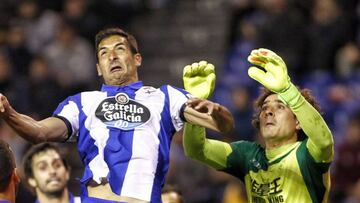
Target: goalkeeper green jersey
293,173
287,174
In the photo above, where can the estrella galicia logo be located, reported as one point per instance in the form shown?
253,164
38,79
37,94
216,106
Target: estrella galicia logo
122,112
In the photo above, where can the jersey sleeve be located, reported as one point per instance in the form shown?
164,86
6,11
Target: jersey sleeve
176,101
315,174
320,143
68,111
210,152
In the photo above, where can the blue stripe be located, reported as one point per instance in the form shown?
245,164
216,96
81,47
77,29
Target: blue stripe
118,152
85,143
181,90
166,133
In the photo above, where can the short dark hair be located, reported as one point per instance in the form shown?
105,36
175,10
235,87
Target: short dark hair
105,33
36,149
306,93
7,165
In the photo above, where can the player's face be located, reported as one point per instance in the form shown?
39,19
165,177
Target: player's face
50,174
278,124
117,64
170,197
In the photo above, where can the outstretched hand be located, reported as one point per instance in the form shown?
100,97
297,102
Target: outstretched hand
274,76
199,79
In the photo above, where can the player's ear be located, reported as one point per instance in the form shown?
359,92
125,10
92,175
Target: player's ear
98,70
32,182
298,127
16,176
138,59
67,174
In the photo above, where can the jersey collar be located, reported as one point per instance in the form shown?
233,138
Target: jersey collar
114,88
280,152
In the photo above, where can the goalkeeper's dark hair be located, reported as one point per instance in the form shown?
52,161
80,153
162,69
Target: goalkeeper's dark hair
105,33
306,93
7,165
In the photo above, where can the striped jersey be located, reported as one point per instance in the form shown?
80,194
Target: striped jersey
291,176
123,134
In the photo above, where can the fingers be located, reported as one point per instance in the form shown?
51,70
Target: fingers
214,107
256,59
271,56
268,60
201,68
256,74
187,71
193,102
263,56
202,63
209,69
204,106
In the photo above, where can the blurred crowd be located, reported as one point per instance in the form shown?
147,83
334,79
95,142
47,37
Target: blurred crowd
46,54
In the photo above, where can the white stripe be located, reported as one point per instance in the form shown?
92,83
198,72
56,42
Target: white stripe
77,200
139,178
71,113
98,132
176,99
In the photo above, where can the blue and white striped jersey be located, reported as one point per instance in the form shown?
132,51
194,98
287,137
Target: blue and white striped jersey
124,134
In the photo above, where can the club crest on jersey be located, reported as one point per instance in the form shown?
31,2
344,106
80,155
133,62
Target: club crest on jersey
122,112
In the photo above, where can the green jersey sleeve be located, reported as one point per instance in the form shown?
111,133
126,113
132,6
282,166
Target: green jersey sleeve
211,152
320,143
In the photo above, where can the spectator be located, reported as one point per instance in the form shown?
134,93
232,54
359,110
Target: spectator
47,173
9,178
347,164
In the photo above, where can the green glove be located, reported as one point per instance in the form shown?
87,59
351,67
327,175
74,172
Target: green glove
275,77
199,79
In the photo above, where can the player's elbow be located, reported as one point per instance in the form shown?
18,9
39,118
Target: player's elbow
328,148
327,141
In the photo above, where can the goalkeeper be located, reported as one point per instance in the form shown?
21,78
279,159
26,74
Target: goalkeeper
293,165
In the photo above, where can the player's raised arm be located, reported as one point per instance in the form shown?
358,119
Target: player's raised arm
199,80
274,76
49,129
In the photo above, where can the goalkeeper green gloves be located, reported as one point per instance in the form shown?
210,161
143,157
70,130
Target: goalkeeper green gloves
275,77
199,79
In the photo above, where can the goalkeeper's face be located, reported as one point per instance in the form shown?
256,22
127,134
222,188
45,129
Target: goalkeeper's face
278,124
116,63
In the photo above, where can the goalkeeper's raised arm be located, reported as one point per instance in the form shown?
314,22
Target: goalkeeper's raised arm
199,80
293,165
